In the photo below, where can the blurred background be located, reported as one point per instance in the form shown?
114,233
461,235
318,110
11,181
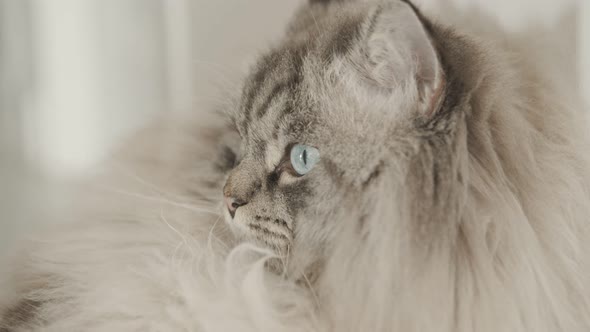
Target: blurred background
77,76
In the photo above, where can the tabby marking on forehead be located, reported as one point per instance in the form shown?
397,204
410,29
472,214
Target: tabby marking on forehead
276,75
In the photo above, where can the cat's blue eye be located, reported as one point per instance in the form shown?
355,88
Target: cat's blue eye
304,158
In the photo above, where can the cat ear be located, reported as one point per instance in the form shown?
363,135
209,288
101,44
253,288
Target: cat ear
397,50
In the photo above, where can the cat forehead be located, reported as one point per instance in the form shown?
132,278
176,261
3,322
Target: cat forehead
275,101
315,37
283,90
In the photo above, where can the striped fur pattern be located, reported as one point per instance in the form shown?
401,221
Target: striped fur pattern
452,195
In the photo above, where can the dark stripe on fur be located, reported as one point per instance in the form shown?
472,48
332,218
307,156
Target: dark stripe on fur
267,232
373,22
374,174
278,90
296,197
277,221
265,66
226,161
333,170
21,314
292,61
343,40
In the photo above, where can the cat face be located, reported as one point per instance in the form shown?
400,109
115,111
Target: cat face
320,119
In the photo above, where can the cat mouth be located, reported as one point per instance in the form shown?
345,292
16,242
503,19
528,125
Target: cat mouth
276,240
270,233
278,222
274,233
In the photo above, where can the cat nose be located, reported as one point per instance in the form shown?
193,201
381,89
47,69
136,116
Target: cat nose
233,204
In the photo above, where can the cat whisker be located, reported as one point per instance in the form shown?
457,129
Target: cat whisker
316,23
174,260
133,175
175,252
316,299
164,200
286,261
211,236
157,190
184,240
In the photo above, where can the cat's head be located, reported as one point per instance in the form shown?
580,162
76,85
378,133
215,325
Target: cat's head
324,117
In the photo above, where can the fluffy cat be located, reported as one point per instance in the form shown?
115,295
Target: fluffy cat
379,172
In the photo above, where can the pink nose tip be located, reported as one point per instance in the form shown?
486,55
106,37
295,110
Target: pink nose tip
233,205
229,202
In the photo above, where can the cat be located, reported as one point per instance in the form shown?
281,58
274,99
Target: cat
379,171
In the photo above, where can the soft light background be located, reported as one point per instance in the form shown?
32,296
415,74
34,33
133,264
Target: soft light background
77,76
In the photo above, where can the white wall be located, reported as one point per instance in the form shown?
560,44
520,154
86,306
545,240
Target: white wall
76,76
100,71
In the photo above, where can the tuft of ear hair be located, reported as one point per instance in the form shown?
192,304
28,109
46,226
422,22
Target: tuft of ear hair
398,50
